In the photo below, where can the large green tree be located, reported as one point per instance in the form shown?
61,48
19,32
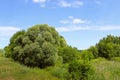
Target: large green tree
38,46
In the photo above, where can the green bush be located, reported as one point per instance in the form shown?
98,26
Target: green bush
80,70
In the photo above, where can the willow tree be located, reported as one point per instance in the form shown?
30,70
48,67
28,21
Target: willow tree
38,46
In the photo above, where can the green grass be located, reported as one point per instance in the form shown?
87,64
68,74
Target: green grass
10,70
105,70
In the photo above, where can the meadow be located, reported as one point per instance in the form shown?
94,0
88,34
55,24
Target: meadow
11,70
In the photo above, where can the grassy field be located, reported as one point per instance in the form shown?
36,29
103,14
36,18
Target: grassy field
105,70
10,70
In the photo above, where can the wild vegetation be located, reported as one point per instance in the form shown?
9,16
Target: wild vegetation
41,50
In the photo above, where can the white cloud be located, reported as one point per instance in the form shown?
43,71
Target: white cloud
78,21
5,33
69,28
39,1
63,3
75,3
59,3
106,28
8,30
96,28
72,20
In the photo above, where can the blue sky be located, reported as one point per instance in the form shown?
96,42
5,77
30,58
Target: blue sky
82,22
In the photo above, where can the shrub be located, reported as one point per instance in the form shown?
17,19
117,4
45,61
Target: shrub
80,70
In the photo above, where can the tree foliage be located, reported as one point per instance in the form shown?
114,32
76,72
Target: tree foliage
94,51
68,53
38,46
109,47
86,55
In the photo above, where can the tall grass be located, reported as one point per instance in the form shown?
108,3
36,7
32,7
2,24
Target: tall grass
105,70
10,70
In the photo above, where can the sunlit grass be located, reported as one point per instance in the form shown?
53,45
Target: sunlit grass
105,70
10,70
